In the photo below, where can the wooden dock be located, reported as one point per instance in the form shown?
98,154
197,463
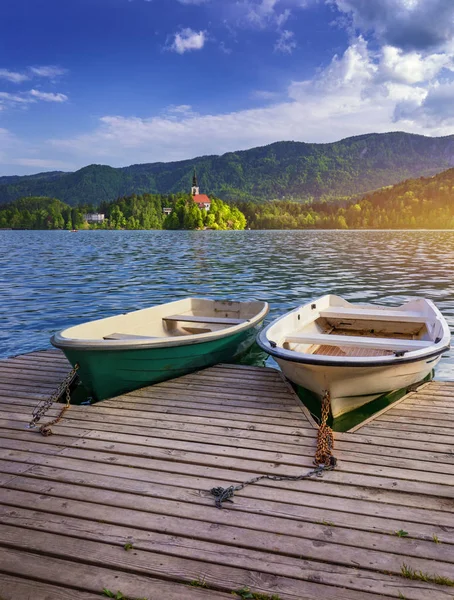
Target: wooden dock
118,497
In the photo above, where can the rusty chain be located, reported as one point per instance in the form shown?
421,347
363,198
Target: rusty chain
324,461
44,405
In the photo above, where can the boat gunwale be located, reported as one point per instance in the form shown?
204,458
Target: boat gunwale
345,362
103,345
433,351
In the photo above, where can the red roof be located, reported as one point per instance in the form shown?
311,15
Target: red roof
201,199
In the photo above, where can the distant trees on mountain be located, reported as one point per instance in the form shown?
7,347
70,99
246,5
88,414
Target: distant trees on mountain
426,203
283,170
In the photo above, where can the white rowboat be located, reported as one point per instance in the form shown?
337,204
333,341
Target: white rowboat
356,352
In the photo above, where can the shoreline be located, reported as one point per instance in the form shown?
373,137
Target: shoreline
233,230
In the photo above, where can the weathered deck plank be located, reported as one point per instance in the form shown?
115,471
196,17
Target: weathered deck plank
138,468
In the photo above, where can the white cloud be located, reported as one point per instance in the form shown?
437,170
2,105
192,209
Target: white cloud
266,15
50,71
48,96
282,18
193,1
8,100
14,98
434,110
179,111
349,97
23,99
406,24
259,13
412,67
286,42
399,92
360,91
346,76
188,39
13,76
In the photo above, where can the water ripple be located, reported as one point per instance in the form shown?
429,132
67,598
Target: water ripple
54,279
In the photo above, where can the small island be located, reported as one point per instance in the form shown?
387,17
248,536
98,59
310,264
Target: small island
147,211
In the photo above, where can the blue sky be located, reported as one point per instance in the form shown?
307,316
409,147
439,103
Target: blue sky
129,81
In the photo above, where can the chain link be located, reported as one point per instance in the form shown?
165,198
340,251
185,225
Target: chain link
324,461
44,405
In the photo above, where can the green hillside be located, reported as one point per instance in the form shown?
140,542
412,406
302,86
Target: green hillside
423,203
290,170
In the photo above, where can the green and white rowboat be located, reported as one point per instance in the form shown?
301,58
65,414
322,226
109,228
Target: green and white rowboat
123,353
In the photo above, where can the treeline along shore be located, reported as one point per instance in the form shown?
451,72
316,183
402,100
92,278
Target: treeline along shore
424,203
148,211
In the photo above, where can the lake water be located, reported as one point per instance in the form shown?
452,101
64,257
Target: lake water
50,280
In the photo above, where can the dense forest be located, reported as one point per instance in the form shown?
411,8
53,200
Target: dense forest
283,170
426,203
133,212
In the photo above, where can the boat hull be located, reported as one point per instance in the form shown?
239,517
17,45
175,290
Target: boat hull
110,372
357,352
344,383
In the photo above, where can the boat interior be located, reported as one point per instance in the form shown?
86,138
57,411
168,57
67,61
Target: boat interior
190,316
358,332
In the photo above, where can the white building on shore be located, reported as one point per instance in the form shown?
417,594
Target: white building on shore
94,218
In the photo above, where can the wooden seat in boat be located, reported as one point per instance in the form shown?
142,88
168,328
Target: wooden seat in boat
213,320
127,336
400,316
396,345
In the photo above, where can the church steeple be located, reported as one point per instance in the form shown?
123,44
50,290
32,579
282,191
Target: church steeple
195,187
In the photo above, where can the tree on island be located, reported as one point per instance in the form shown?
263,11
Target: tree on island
187,215
132,212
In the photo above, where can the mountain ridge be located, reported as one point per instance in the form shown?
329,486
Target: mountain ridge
285,169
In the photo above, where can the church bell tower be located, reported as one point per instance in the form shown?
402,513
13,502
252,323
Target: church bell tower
195,187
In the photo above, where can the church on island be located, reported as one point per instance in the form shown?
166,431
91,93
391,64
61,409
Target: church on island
201,200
